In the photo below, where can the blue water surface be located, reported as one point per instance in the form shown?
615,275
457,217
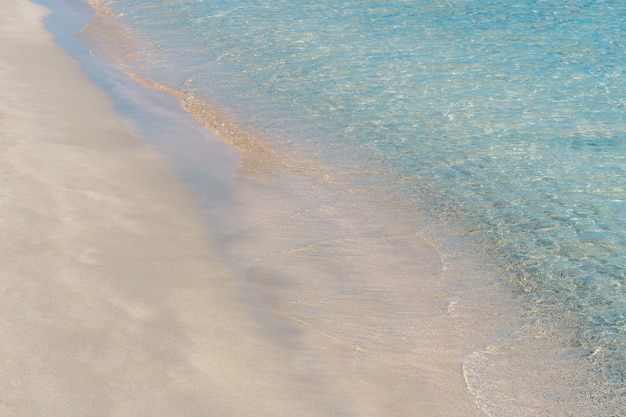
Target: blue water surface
508,118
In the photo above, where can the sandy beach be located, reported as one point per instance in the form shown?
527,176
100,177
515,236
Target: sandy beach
311,209
113,302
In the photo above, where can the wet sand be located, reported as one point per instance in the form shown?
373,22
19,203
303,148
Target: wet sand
113,300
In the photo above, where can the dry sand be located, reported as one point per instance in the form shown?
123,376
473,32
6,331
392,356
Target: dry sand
113,300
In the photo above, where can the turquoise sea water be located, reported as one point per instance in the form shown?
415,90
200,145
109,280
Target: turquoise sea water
503,124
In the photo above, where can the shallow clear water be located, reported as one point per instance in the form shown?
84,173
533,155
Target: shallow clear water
498,125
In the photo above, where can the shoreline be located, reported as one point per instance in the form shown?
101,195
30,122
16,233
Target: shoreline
115,302
144,301
285,239
292,365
